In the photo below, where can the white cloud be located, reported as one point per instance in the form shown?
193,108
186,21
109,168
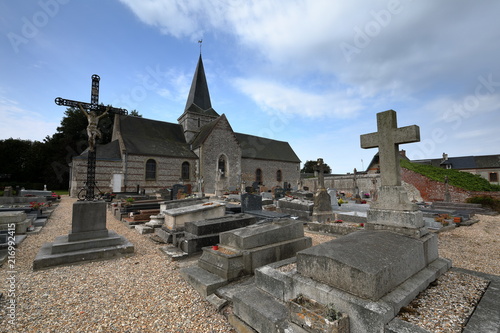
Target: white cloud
275,97
19,123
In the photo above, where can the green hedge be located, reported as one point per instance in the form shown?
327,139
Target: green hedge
464,180
486,201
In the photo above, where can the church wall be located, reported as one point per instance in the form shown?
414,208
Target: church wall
221,141
290,172
168,172
103,174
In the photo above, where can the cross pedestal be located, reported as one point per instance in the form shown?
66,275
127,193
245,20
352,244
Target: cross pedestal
392,210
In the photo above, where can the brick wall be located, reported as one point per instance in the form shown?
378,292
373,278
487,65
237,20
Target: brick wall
432,190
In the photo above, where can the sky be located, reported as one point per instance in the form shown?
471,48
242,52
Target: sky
311,72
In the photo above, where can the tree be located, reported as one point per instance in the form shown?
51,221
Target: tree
312,166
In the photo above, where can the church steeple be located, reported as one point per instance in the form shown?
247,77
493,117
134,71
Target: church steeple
198,110
198,94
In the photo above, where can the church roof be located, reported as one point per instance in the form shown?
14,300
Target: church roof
265,149
199,97
109,152
151,137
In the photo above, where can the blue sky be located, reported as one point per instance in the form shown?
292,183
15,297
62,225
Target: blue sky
310,72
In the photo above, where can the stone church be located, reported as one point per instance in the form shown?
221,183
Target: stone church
201,150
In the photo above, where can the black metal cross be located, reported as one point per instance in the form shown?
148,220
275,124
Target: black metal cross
95,109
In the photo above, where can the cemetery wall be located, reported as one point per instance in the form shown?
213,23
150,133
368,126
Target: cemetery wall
290,172
221,143
345,183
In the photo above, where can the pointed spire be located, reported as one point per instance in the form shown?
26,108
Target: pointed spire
198,94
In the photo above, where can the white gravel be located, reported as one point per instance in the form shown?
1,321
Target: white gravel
141,293
145,293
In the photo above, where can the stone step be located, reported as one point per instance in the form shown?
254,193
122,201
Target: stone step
174,253
144,229
260,310
201,280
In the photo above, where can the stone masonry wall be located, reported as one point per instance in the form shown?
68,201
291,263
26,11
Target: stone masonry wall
290,172
168,173
103,174
221,141
345,183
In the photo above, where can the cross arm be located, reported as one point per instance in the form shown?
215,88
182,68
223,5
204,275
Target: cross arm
407,134
369,140
89,106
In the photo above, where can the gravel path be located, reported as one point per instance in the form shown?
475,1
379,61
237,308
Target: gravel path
141,293
145,293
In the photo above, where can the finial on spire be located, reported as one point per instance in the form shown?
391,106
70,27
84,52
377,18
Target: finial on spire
200,42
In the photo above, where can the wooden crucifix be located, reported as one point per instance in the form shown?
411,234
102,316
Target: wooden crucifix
94,113
387,139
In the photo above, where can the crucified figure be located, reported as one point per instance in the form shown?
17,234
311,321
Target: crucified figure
92,131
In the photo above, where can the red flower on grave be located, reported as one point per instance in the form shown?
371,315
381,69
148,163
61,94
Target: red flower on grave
37,205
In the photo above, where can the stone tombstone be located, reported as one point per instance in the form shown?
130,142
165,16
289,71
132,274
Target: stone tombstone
279,193
266,195
255,186
176,189
7,192
250,202
333,196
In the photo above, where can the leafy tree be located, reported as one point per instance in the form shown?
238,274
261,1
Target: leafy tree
135,113
312,166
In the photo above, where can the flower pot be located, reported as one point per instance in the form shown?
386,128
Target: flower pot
215,247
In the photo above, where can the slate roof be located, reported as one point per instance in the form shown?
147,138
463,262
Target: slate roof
151,137
465,162
109,152
199,97
265,149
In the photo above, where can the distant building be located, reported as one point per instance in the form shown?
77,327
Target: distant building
200,150
487,166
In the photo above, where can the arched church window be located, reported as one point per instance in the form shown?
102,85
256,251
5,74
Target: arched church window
258,176
185,171
150,169
222,165
278,176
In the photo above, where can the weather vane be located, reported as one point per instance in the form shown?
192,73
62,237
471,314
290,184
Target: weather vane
200,42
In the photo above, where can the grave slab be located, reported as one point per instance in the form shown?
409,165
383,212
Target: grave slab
176,218
381,259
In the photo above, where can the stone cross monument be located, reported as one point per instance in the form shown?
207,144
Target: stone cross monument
393,210
322,209
89,238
